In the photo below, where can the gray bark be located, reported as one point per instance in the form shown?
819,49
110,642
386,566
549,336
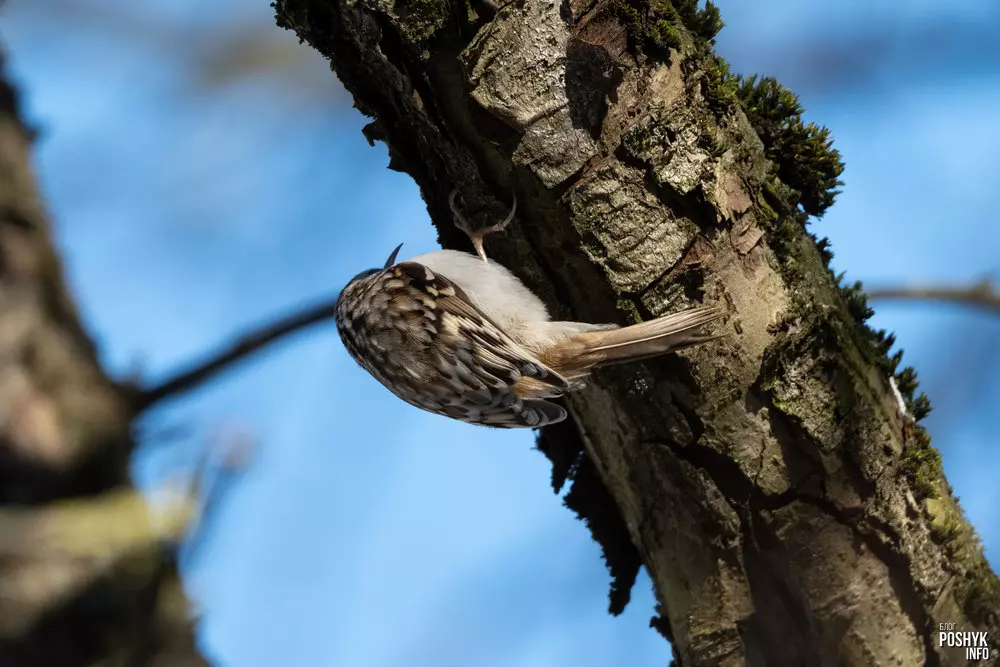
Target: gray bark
83,580
787,509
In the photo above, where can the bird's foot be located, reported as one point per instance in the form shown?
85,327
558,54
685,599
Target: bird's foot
476,235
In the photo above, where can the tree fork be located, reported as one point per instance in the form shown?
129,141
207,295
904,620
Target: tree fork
788,508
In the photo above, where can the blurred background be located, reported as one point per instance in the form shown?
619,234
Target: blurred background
205,172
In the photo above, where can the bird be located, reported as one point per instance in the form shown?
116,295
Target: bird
459,335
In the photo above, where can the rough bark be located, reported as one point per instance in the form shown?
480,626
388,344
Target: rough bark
84,576
787,508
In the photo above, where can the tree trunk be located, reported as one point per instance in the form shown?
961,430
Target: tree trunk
84,578
788,508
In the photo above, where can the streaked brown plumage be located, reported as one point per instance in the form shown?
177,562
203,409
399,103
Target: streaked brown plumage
458,336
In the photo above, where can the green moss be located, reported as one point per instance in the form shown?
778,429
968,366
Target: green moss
768,215
804,154
664,35
419,20
804,183
712,142
823,246
630,311
653,26
882,341
708,22
879,343
471,15
783,198
811,164
768,102
784,223
978,592
947,530
637,140
832,326
722,85
797,252
631,18
919,406
976,588
656,26
687,10
705,23
921,463
857,300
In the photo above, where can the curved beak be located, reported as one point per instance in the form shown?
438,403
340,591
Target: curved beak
392,258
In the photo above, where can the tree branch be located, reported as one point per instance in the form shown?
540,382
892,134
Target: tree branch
982,294
198,373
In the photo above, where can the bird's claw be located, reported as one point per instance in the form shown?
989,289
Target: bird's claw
476,235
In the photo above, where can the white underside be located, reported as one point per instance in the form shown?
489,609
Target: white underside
502,297
494,290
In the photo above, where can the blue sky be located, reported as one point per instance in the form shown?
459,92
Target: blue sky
370,534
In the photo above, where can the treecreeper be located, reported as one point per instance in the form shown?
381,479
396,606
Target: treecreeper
461,336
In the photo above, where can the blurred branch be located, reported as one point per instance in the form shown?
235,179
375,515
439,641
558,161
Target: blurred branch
124,519
52,554
236,351
49,554
102,527
982,294
223,459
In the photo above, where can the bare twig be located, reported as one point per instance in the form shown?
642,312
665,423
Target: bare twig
982,294
244,346
225,457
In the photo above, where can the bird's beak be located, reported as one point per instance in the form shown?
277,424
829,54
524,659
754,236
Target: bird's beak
392,258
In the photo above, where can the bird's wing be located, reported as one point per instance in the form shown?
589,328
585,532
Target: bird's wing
476,365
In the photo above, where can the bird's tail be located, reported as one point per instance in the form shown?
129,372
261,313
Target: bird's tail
580,352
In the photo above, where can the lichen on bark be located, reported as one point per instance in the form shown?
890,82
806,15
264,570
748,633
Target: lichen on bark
767,481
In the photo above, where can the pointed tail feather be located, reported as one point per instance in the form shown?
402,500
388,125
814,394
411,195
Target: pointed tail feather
579,353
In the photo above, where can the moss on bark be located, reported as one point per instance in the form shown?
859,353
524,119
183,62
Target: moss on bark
767,480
